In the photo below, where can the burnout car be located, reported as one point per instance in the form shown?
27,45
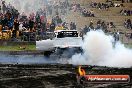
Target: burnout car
63,40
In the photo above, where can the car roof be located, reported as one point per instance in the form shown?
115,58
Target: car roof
66,31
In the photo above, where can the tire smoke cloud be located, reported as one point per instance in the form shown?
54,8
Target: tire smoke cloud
100,49
27,6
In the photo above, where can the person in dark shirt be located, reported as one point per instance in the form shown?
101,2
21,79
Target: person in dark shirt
16,25
59,20
52,27
4,22
128,13
10,22
31,25
25,24
74,26
91,27
16,28
71,26
85,30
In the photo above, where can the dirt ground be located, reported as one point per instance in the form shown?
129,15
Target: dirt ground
54,76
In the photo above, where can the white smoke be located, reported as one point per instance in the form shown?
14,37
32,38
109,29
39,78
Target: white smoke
100,50
27,6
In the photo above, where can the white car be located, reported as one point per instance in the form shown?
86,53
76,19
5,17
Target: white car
63,39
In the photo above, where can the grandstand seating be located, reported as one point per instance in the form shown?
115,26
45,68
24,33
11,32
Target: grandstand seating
112,15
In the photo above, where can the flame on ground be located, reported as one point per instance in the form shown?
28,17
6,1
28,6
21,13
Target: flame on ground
81,71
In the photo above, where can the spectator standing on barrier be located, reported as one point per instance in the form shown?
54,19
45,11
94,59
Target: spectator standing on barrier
74,26
58,20
98,24
31,25
128,24
104,26
4,22
71,26
85,30
52,27
10,21
25,24
16,28
116,36
64,24
91,27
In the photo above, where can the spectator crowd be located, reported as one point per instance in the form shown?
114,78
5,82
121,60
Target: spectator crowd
17,26
99,25
87,13
84,12
128,24
106,5
26,27
102,5
126,12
